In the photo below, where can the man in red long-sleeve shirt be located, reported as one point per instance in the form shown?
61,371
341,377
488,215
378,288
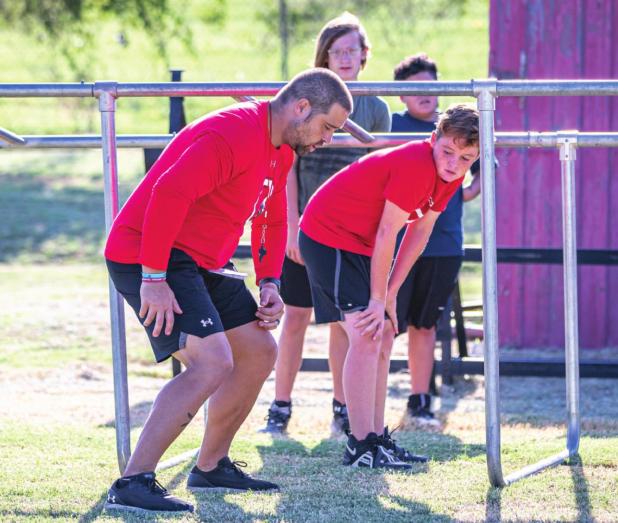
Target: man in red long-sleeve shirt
164,253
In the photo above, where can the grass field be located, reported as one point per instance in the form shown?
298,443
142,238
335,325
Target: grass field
57,448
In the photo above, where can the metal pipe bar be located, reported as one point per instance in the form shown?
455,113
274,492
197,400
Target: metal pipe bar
571,334
457,88
510,139
240,89
557,88
9,137
128,141
107,107
486,105
47,90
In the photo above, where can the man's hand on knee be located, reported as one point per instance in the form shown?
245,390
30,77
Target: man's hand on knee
270,310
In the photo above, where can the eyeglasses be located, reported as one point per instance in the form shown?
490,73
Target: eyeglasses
339,53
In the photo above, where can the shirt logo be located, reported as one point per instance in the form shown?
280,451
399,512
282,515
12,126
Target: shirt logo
265,192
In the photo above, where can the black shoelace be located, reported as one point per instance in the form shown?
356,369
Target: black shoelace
236,465
390,442
155,487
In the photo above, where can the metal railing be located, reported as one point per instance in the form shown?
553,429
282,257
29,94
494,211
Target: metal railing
485,91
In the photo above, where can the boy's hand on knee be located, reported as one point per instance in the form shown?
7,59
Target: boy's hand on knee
371,320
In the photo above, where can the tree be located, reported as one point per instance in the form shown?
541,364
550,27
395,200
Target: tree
70,25
296,20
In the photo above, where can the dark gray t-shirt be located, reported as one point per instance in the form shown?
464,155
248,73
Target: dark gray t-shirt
371,113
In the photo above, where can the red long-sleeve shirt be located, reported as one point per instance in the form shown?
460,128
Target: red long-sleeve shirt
217,173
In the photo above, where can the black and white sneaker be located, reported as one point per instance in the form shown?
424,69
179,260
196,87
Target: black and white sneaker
419,412
226,476
143,493
387,441
370,454
278,417
341,422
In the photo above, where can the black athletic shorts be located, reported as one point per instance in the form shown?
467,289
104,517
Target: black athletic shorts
295,289
340,280
210,303
426,290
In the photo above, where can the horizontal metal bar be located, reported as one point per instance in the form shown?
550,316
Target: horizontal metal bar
51,90
237,89
552,139
456,88
549,140
548,256
142,141
557,87
508,367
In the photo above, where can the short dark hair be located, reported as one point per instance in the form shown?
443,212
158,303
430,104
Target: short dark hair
321,87
461,121
415,64
336,28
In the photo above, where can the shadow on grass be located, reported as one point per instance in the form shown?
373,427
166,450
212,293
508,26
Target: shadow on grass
493,505
44,220
581,489
138,413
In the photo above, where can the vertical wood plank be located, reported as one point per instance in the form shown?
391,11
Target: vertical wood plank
594,172
539,207
508,60
611,312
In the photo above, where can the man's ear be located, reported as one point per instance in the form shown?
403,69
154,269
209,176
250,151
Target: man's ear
434,137
302,107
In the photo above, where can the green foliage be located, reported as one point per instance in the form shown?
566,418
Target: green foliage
70,26
295,21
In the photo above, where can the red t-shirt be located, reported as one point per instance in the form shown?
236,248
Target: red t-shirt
345,212
217,173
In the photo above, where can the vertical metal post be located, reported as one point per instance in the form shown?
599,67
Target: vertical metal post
568,142
106,93
485,90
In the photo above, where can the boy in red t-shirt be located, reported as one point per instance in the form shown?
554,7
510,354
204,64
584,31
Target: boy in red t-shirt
347,239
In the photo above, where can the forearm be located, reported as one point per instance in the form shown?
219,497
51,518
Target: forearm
381,261
413,244
473,190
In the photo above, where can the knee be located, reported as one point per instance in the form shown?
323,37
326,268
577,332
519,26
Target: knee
266,351
214,360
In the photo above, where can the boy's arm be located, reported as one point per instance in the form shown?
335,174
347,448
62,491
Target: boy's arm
371,320
291,249
412,245
474,189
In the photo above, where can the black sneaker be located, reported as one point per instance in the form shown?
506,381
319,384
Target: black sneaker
278,417
341,422
143,493
370,454
226,476
419,411
402,454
